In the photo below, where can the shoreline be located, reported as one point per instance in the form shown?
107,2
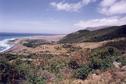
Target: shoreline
6,44
15,44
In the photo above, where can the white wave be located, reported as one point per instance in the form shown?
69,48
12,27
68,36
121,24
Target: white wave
5,44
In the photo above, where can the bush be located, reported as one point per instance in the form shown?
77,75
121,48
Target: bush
28,45
119,44
34,43
11,56
55,67
4,67
122,60
100,64
82,73
73,64
95,63
10,75
37,80
103,58
66,45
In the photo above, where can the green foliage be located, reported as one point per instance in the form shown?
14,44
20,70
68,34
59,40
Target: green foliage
103,58
8,56
37,80
122,60
66,45
11,56
56,66
4,66
119,44
34,43
100,64
73,64
28,45
24,67
82,72
9,74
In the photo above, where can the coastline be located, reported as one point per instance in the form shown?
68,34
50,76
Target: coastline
6,44
15,44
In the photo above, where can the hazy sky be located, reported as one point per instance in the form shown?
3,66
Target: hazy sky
59,16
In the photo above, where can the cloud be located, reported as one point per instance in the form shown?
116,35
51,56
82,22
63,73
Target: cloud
73,7
113,7
105,3
110,21
51,25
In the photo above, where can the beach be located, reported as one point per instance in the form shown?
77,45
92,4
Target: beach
16,44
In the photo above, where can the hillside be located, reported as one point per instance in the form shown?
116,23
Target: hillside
96,35
77,63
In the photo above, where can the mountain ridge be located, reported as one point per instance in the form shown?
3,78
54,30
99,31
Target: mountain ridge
106,33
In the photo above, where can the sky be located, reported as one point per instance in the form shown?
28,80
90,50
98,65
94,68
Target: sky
59,16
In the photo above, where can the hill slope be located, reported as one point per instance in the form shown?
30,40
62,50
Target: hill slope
96,35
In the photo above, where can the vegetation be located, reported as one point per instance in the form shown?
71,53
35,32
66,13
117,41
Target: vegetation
74,63
122,60
30,72
82,72
37,80
118,43
10,75
34,43
50,67
103,58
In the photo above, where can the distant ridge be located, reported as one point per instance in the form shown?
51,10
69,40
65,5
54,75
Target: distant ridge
96,28
106,33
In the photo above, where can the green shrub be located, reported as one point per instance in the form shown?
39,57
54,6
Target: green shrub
37,80
10,75
95,63
28,45
73,64
55,67
55,64
4,67
11,56
119,44
101,64
82,72
103,58
34,43
105,53
66,45
122,60
24,67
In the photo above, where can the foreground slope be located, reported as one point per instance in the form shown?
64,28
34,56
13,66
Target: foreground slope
96,35
77,63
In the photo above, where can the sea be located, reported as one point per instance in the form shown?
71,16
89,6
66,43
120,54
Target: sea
5,38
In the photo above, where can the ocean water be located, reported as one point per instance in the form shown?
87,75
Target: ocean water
6,37
4,42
